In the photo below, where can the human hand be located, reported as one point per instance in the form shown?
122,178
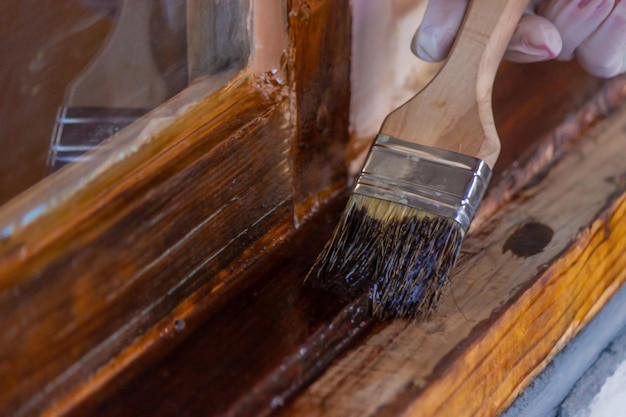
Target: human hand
593,31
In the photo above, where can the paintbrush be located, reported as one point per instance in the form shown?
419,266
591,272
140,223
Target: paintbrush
121,84
426,173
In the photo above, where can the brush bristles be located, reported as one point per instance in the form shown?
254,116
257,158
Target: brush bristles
400,255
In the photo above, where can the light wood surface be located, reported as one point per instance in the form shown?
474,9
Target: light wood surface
454,111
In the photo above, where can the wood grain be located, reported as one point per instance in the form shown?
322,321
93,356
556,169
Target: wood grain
109,264
454,112
504,316
80,286
158,283
258,352
320,80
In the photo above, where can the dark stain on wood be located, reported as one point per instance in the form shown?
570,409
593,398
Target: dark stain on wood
147,246
302,320
319,72
259,350
529,100
190,378
554,103
528,240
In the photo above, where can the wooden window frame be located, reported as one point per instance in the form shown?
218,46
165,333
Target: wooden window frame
112,263
95,259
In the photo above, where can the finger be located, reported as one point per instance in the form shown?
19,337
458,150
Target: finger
441,22
576,20
535,39
603,54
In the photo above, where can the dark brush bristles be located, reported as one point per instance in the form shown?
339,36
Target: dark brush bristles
401,255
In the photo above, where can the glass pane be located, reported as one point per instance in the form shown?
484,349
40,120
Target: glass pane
76,71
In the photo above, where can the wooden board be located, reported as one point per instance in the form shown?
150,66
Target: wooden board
152,280
104,264
317,30
261,349
78,289
512,305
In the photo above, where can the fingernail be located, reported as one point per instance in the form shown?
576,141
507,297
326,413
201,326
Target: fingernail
542,50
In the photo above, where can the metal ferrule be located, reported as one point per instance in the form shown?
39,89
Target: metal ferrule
440,182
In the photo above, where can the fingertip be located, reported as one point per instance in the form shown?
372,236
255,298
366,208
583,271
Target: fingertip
535,39
602,62
575,20
603,54
431,45
606,69
435,36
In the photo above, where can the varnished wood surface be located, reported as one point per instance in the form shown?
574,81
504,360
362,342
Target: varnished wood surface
531,159
531,100
262,360
320,78
98,275
176,371
136,246
251,355
516,298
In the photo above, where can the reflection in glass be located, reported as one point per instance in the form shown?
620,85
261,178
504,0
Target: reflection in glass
122,82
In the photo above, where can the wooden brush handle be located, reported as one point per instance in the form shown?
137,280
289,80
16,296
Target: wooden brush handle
453,111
